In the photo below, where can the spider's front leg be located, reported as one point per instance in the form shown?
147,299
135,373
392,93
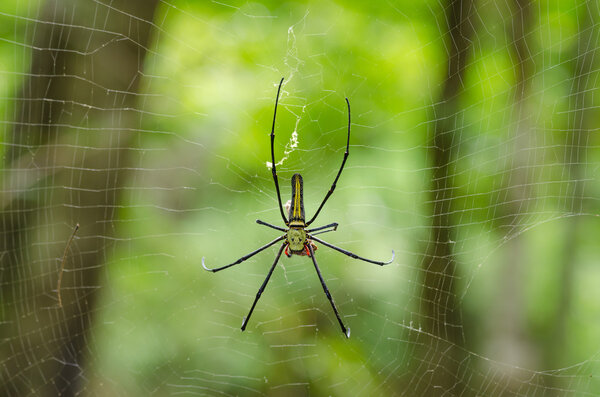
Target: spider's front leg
345,330
262,287
287,252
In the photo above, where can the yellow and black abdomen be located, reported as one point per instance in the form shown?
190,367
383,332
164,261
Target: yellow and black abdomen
296,215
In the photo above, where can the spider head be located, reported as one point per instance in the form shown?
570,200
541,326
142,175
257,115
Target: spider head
296,238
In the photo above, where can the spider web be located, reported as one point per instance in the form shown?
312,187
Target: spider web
473,155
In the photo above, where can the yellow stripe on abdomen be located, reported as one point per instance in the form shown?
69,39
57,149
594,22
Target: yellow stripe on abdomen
297,198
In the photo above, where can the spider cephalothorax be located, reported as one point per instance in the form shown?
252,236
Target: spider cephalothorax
297,239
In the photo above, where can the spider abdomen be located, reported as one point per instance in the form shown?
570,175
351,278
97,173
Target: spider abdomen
296,213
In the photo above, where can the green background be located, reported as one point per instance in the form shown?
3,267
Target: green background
199,179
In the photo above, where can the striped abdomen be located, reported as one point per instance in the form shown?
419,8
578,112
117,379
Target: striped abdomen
296,215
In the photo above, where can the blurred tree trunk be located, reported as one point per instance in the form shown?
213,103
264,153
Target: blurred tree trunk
509,342
74,134
441,359
583,119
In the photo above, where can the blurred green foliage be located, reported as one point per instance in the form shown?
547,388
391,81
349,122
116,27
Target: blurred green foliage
201,181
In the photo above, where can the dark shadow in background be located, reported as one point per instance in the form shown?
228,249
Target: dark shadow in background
74,126
440,359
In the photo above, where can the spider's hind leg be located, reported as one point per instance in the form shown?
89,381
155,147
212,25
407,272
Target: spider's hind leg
332,188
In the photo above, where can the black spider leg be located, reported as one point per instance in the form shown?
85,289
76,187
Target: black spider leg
345,330
352,255
281,229
334,225
323,231
273,169
243,258
330,192
328,228
262,287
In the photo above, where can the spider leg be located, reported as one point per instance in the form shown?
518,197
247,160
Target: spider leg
262,287
330,192
324,231
281,229
352,255
243,258
334,225
345,330
273,169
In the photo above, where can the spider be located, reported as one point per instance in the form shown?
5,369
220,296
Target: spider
298,240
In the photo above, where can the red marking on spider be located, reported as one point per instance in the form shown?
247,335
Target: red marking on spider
304,252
